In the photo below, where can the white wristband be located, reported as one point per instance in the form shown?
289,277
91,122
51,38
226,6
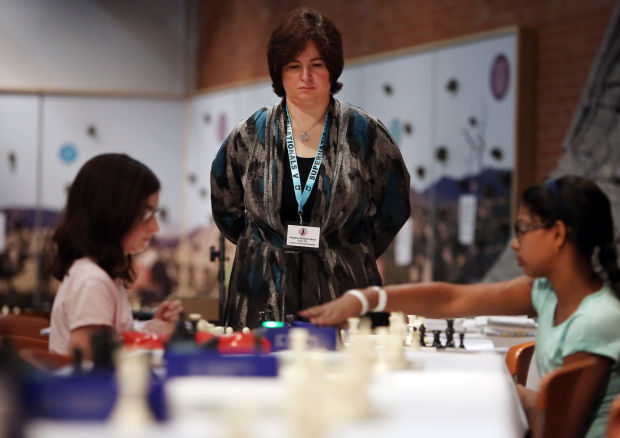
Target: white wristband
361,297
382,302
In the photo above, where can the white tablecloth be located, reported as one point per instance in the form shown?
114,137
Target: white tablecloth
443,394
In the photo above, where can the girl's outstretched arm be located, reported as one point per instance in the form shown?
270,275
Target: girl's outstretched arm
434,300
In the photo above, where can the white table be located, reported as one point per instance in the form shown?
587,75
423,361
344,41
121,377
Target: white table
445,394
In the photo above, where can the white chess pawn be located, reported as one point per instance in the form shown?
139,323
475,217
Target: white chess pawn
204,326
239,415
415,340
383,364
245,330
131,411
229,331
398,330
353,329
354,326
304,380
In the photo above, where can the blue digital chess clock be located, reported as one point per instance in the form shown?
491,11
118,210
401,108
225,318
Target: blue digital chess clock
277,333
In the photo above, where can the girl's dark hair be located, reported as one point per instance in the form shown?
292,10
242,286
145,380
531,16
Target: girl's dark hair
586,211
105,200
289,39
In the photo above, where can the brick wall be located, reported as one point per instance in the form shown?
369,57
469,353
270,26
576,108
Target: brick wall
234,35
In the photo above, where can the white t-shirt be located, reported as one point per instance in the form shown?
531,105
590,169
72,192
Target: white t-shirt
87,296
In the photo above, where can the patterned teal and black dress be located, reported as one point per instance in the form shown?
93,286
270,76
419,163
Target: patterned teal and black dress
361,201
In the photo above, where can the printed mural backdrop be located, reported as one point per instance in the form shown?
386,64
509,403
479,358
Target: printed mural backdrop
451,109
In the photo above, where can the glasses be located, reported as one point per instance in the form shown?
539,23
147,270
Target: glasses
521,229
150,213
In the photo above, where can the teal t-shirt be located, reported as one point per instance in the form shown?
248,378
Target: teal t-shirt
593,328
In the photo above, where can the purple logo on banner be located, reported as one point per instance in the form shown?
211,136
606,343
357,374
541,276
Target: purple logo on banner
500,76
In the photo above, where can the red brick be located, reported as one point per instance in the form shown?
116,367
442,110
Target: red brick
234,35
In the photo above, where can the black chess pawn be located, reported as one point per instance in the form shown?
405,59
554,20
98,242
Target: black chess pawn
461,339
77,361
262,317
103,347
291,318
193,322
436,340
422,333
450,334
181,332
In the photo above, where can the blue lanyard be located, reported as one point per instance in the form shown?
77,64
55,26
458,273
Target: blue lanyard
302,195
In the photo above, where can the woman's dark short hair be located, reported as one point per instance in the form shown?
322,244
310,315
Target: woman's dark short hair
105,200
289,39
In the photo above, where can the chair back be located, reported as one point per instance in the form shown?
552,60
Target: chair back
23,325
613,426
20,342
565,399
518,360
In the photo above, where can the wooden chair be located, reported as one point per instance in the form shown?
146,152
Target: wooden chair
28,311
44,360
613,426
518,360
563,407
23,325
21,342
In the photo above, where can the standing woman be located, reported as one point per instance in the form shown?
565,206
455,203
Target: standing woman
312,190
110,215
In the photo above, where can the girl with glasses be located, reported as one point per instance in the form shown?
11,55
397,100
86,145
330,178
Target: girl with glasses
110,215
564,242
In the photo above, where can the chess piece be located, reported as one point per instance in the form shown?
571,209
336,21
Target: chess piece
450,334
382,365
304,382
77,361
181,332
204,326
347,396
103,349
461,340
194,318
411,328
354,326
131,411
415,340
436,339
229,331
422,334
397,326
245,330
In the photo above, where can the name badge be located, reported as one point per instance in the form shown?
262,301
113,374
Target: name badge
302,236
